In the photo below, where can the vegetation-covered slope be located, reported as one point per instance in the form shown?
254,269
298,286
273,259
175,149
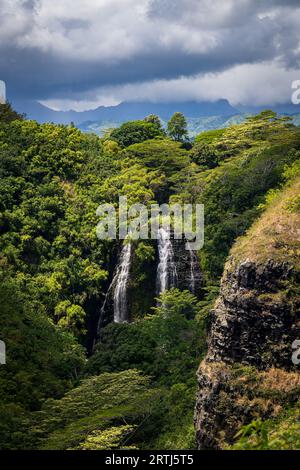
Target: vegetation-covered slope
55,273
248,377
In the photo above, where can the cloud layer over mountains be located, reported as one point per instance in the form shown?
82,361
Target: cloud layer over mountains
80,54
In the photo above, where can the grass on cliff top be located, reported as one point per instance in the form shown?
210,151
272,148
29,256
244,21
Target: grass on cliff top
276,234
281,433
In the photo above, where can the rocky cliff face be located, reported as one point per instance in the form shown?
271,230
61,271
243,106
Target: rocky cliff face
184,272
248,371
253,320
189,275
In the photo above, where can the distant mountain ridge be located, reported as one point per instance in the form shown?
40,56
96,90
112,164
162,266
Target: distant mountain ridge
195,124
200,116
125,111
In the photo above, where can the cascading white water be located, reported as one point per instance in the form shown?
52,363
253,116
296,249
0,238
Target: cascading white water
193,267
166,270
120,283
167,277
103,308
119,286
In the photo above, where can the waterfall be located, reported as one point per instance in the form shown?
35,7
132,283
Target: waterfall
193,267
103,308
121,281
119,287
166,270
178,266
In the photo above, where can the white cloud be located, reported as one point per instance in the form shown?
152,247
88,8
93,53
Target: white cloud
92,29
63,48
112,30
15,20
249,84
102,30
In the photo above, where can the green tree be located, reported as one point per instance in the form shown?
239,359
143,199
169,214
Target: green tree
204,155
42,361
89,415
134,132
108,439
208,137
154,119
165,155
71,317
8,114
177,127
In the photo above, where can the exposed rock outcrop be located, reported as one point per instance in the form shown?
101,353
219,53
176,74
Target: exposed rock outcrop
253,320
248,371
189,275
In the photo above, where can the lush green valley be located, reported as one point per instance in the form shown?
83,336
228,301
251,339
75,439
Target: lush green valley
133,386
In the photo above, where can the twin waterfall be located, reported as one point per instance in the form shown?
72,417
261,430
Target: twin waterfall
194,266
177,266
173,254
119,288
166,270
122,278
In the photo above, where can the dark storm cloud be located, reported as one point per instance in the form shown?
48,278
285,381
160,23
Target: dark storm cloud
50,48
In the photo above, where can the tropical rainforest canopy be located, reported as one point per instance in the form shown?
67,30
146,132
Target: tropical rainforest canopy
136,387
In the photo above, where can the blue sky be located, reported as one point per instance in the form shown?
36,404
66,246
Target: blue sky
80,54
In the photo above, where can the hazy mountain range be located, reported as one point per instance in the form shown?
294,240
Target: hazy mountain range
200,115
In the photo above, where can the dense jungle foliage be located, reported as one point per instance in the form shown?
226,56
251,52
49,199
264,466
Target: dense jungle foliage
136,389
